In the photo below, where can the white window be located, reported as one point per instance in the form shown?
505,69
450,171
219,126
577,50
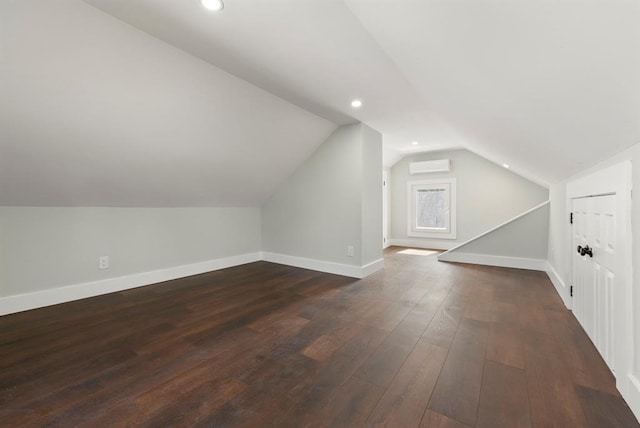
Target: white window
432,208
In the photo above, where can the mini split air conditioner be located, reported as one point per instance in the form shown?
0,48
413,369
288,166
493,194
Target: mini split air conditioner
440,165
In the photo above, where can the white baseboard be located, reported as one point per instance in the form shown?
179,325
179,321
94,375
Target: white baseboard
324,266
559,284
632,396
372,267
430,244
54,296
489,260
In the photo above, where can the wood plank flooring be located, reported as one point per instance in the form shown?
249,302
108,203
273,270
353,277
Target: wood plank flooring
419,344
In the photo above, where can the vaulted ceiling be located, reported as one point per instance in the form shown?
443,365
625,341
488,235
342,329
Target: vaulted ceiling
160,102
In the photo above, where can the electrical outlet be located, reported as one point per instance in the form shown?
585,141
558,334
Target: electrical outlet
350,251
103,262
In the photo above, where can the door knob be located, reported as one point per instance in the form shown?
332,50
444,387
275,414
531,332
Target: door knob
586,251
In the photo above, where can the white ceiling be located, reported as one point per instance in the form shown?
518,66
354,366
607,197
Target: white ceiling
548,86
95,112
313,53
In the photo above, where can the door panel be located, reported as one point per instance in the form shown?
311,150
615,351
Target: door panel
594,278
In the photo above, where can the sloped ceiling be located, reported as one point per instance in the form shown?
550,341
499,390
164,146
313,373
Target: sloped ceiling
217,109
97,113
313,53
547,86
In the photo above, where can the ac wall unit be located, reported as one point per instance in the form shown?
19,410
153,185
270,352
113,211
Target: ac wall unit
441,165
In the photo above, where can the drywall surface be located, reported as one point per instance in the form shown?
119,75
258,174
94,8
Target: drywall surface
487,195
94,112
371,195
525,237
318,211
45,248
557,249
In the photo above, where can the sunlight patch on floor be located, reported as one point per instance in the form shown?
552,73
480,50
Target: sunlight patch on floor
416,252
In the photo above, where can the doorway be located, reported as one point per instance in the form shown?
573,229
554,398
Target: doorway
385,208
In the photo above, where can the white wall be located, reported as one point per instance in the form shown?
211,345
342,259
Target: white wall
488,195
330,202
525,237
46,248
519,243
50,255
371,195
94,112
557,251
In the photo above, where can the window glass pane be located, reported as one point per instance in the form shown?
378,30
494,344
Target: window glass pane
431,208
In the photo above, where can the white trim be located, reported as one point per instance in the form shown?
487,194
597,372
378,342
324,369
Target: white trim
598,182
429,244
633,395
537,207
54,296
324,266
386,211
500,261
372,267
559,284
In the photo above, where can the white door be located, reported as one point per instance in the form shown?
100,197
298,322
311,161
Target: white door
385,209
594,276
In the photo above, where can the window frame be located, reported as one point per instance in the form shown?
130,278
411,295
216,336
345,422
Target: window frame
412,190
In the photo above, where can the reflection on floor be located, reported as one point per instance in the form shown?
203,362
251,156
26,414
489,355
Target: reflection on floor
419,252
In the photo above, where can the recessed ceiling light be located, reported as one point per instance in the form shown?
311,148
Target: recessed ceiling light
356,103
505,165
214,5
415,143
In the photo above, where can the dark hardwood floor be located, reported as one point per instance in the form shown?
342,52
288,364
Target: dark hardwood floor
419,344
